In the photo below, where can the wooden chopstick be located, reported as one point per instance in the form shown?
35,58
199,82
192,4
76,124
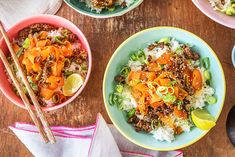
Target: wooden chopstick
28,87
23,96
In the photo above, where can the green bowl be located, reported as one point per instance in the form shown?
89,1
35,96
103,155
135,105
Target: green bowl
83,9
120,58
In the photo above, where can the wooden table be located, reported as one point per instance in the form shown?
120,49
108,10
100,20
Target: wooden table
104,36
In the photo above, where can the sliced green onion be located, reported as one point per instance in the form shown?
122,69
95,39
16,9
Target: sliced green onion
207,75
111,95
131,113
161,90
211,99
19,52
125,71
58,40
141,54
117,100
26,43
206,62
165,40
172,83
169,98
179,50
119,88
134,57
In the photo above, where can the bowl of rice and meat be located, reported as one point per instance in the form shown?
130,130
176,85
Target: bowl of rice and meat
221,11
55,57
103,8
161,88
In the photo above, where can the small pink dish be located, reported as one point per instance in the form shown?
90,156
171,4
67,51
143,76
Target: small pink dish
6,87
218,17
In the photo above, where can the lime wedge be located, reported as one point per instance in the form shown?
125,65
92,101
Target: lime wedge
203,119
72,84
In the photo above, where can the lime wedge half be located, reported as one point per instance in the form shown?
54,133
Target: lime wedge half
72,84
203,119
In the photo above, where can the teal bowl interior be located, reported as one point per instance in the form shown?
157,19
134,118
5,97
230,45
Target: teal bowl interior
120,58
83,9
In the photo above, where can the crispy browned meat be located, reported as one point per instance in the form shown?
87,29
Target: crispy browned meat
32,29
102,3
189,54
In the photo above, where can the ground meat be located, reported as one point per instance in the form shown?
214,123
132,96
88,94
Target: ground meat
102,3
189,54
46,72
164,109
151,47
76,51
72,37
79,56
152,114
23,34
161,45
123,4
189,89
119,79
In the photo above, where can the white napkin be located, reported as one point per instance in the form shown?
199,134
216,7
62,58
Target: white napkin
99,140
12,11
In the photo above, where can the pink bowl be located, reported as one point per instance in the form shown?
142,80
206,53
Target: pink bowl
6,87
221,18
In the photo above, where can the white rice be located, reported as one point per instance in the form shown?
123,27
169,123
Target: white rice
74,67
156,52
54,33
135,65
217,4
183,123
128,100
163,133
175,45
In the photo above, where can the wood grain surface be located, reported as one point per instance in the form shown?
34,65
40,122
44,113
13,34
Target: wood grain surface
104,36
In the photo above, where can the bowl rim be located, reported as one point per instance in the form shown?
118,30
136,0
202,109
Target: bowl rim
212,17
106,102
101,16
86,44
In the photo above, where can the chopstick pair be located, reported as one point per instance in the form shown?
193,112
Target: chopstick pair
39,119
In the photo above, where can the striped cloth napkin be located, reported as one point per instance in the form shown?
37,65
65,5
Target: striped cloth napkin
12,11
99,140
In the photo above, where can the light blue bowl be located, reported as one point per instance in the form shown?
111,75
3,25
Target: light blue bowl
120,58
82,8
